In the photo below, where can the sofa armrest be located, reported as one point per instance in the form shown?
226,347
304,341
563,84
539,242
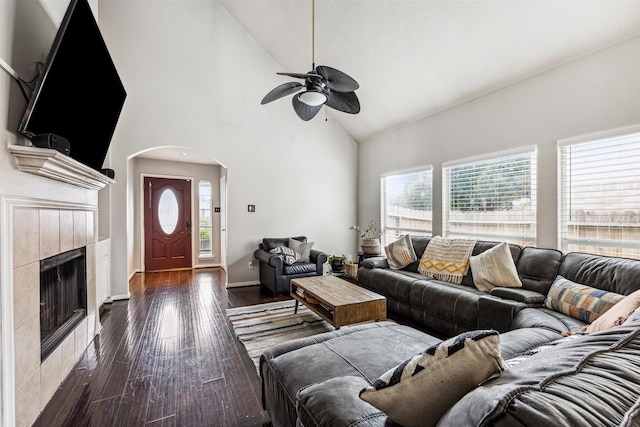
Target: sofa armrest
318,257
531,298
496,313
375,262
336,402
268,258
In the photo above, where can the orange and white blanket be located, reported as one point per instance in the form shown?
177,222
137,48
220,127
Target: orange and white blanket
446,259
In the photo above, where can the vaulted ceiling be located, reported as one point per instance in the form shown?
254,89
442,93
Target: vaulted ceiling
416,58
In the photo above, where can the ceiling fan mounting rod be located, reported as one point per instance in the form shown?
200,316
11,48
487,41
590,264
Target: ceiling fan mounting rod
313,34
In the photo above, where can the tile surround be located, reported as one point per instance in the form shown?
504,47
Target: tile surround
39,233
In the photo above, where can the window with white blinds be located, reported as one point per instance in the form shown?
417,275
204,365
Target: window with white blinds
599,195
205,230
407,204
493,198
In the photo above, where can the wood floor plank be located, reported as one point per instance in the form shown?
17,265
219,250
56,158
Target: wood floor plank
166,357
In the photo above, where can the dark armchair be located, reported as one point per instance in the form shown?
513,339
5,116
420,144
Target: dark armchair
276,275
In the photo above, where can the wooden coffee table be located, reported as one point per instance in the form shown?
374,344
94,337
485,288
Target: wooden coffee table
337,301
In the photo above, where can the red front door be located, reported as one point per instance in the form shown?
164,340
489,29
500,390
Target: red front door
167,223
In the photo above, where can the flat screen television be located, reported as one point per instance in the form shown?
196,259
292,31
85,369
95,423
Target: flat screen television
79,94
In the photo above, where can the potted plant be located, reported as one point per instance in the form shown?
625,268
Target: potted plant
371,239
337,262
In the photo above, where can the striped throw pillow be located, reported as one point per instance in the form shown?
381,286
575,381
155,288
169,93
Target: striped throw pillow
420,390
579,301
400,253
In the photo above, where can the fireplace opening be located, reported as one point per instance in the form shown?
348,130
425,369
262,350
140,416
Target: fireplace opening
63,297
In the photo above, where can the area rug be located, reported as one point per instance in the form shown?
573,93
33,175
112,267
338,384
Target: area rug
259,327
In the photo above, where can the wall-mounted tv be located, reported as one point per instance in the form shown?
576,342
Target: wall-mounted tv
78,94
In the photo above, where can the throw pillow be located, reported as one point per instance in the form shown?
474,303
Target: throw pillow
400,253
617,315
420,390
288,255
495,268
579,301
303,248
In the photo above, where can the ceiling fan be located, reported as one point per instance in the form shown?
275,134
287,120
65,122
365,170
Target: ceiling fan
322,86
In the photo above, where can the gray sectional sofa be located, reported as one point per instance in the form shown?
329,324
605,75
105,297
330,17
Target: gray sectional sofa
551,380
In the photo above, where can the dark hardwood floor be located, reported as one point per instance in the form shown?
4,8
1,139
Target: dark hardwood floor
166,357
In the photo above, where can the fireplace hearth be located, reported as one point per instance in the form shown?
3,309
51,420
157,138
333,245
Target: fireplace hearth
63,297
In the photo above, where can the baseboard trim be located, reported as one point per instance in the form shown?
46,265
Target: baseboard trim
121,297
242,284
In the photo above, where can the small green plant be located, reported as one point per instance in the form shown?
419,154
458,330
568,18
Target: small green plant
338,258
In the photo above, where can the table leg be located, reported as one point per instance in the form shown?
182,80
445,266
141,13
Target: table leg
295,309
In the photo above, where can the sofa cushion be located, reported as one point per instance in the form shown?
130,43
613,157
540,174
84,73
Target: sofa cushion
286,368
269,243
547,319
616,315
420,390
588,380
303,248
579,301
400,253
619,275
495,268
288,255
538,268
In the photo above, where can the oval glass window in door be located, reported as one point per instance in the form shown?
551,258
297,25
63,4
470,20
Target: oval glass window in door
168,211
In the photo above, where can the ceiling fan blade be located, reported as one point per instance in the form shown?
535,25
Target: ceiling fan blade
343,101
309,75
304,111
280,91
337,80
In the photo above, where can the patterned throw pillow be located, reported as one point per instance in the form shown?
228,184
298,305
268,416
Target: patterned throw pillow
304,249
400,253
420,390
579,301
288,255
617,315
495,268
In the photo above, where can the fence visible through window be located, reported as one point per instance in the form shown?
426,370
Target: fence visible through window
599,194
493,198
407,204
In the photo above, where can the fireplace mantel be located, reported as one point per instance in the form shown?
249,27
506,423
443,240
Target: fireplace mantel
55,165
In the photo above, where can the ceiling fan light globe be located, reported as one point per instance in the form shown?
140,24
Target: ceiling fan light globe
313,99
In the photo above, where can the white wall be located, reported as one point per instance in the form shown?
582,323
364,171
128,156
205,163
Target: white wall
595,93
26,33
195,78
197,172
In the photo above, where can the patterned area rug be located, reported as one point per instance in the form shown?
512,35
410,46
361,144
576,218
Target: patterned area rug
262,326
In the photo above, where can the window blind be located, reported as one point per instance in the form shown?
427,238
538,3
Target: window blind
599,196
205,230
492,199
407,204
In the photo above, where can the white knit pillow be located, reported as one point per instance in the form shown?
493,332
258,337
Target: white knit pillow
495,268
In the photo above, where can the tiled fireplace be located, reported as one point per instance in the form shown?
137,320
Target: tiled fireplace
40,230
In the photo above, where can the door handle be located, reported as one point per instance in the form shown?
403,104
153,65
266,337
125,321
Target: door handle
188,226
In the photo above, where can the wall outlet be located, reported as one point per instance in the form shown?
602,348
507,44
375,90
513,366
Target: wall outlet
250,264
